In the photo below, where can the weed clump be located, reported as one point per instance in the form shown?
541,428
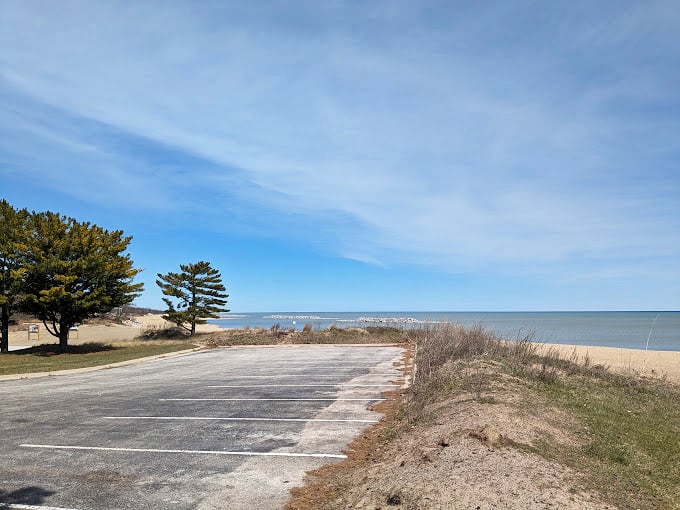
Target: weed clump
627,427
154,332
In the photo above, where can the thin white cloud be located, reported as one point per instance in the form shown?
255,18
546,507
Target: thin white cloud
461,144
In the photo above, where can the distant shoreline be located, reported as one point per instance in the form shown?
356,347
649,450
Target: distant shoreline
651,362
653,330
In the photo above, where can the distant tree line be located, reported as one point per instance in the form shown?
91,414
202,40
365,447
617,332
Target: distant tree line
63,271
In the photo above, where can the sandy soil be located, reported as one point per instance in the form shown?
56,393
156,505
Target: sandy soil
463,458
98,332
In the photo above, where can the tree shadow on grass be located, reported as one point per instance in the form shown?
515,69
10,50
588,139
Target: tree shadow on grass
24,496
53,349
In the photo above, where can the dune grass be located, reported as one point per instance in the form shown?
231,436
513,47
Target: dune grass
630,437
628,428
620,434
47,358
332,335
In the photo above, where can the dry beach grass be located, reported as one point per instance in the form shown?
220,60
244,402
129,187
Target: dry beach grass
494,424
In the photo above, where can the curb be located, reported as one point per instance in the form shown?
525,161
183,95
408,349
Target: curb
254,346
70,371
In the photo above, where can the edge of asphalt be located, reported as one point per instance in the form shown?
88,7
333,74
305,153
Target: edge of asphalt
70,371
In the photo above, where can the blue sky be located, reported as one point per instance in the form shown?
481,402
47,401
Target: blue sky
343,156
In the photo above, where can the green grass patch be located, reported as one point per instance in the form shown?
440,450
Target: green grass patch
630,438
47,358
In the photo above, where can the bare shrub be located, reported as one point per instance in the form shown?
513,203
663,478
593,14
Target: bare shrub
523,347
307,328
155,332
448,342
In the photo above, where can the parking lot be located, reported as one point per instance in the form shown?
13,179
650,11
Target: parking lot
225,428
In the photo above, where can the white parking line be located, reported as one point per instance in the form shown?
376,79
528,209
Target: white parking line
18,506
217,418
269,399
361,364
320,376
303,385
205,452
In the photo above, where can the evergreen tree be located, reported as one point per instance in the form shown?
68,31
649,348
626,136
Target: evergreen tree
14,235
194,295
76,270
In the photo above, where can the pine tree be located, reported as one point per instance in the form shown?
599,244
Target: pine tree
194,295
76,270
14,235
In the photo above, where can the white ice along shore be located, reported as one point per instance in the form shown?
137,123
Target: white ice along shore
299,317
390,320
364,320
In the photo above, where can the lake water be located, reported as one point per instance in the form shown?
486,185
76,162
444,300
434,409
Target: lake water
610,329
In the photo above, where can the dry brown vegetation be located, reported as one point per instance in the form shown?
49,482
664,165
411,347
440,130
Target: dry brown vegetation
494,424
277,335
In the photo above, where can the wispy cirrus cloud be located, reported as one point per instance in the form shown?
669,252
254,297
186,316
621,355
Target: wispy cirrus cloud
464,138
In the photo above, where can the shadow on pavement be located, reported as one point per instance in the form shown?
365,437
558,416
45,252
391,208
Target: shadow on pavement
25,496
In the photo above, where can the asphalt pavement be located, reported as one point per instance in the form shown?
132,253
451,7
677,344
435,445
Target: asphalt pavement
221,429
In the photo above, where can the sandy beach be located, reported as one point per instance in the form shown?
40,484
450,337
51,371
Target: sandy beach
99,332
649,363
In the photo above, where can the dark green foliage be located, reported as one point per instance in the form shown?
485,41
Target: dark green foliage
75,271
194,295
13,243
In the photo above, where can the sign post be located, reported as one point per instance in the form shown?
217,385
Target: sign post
33,329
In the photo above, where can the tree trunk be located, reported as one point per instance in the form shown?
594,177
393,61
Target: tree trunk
193,329
63,337
4,326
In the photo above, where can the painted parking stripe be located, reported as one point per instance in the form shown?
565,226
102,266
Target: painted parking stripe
218,418
320,376
202,452
331,364
302,385
19,506
269,399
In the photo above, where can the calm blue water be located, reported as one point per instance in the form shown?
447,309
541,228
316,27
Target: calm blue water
609,329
